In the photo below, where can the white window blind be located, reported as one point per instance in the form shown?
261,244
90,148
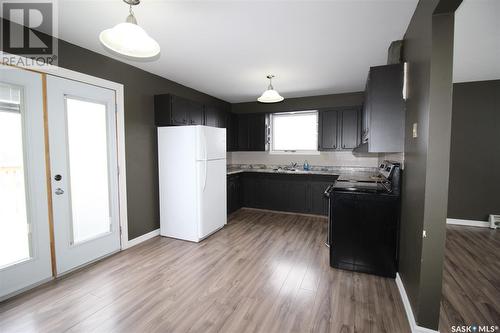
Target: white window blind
10,98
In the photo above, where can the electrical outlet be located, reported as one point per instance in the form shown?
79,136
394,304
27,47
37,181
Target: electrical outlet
415,130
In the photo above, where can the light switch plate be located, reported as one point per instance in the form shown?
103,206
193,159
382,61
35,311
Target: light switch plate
415,130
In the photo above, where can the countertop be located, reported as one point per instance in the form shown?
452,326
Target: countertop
351,174
232,171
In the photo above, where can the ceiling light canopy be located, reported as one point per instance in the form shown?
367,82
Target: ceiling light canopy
130,39
270,95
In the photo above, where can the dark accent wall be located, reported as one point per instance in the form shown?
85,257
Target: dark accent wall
475,151
302,103
428,49
140,130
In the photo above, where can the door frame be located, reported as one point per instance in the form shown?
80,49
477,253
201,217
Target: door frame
19,61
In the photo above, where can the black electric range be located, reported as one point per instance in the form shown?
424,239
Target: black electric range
364,222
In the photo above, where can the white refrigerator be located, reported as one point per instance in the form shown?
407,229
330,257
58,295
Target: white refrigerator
192,176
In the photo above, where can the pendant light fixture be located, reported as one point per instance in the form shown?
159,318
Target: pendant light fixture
270,95
130,39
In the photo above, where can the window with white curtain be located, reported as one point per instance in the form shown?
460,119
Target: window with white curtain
294,132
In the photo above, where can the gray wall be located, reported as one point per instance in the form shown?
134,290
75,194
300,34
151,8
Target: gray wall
140,131
302,103
475,151
429,51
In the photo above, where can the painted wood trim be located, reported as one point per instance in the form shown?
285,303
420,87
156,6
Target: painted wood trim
470,223
122,170
48,177
409,313
142,238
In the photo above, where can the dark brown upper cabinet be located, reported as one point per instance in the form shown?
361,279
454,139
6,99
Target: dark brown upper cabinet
328,136
350,134
215,117
339,129
195,114
231,131
243,129
257,132
251,132
383,113
175,110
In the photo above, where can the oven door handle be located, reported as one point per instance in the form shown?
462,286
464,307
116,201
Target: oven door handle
328,191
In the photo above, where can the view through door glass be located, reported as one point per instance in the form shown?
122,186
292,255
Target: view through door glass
88,165
14,226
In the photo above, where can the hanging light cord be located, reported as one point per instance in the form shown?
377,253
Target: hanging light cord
270,87
131,17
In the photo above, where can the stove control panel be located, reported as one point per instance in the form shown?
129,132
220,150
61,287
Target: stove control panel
386,168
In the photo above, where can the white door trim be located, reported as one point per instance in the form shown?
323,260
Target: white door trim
120,124
143,238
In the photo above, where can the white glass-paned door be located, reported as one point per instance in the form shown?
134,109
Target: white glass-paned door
14,226
88,163
24,226
84,172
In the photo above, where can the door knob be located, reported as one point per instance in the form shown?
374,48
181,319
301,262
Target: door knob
59,191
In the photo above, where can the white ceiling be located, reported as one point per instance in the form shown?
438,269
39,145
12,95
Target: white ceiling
226,48
477,41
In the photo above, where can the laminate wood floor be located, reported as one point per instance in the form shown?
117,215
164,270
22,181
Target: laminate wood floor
264,272
471,278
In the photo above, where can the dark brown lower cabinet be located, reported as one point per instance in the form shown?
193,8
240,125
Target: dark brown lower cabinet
284,192
234,193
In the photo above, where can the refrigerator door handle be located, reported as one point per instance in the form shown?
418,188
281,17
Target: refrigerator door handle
205,162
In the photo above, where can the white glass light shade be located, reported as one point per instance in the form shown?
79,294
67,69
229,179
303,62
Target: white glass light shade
270,96
131,40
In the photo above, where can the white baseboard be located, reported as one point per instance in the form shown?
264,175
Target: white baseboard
142,238
409,313
470,223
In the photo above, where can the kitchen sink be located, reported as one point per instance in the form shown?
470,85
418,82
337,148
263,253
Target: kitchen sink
284,169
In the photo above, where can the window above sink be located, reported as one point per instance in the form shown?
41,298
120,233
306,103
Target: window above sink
294,133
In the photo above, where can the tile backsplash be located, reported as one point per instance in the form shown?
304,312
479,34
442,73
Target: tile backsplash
340,158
